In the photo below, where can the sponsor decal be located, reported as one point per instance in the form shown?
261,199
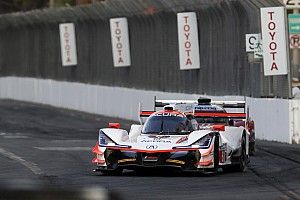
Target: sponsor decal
68,44
151,158
159,136
205,108
188,41
169,114
182,139
151,147
156,141
120,42
275,52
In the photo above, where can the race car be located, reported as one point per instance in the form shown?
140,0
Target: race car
195,136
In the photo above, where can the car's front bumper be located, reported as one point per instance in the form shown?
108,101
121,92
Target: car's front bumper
183,160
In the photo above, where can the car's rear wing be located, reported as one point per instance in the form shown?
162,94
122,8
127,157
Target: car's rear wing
187,107
163,103
220,115
235,110
230,104
146,113
224,104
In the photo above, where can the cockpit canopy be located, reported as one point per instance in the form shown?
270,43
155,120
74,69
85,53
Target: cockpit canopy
167,122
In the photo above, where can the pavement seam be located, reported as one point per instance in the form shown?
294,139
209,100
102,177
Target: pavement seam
63,148
279,155
29,165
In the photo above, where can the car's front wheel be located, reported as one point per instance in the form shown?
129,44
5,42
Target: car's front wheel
216,157
242,165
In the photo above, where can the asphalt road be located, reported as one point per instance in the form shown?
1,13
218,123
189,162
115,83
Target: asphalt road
46,147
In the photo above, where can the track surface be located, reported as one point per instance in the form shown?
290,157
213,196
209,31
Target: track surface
42,146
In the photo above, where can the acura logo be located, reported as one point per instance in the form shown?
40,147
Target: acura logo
151,147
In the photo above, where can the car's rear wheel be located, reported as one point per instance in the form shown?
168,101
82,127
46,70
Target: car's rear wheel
252,148
216,154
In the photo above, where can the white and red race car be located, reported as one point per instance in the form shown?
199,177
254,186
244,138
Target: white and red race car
188,135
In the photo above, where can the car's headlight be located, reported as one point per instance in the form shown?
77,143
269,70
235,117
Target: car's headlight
103,139
204,141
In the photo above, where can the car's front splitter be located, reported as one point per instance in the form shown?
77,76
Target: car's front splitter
184,160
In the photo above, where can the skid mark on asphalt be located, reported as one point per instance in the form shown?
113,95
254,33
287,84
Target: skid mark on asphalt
273,181
64,148
279,155
30,165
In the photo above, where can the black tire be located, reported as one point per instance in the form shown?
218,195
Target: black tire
252,148
242,163
216,154
241,167
252,143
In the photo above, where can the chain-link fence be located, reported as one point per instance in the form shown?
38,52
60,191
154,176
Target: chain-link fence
30,46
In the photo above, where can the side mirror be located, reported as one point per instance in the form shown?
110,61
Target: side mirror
114,125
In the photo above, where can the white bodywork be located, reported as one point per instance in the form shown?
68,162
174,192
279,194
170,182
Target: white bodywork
229,140
213,143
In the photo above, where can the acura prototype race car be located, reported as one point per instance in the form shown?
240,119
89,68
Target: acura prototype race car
188,135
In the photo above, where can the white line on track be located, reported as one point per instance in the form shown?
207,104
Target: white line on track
30,165
15,137
64,148
295,195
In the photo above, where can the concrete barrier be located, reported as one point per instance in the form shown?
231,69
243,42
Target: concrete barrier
295,120
110,101
272,118
275,119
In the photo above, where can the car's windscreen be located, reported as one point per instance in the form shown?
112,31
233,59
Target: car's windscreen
166,125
